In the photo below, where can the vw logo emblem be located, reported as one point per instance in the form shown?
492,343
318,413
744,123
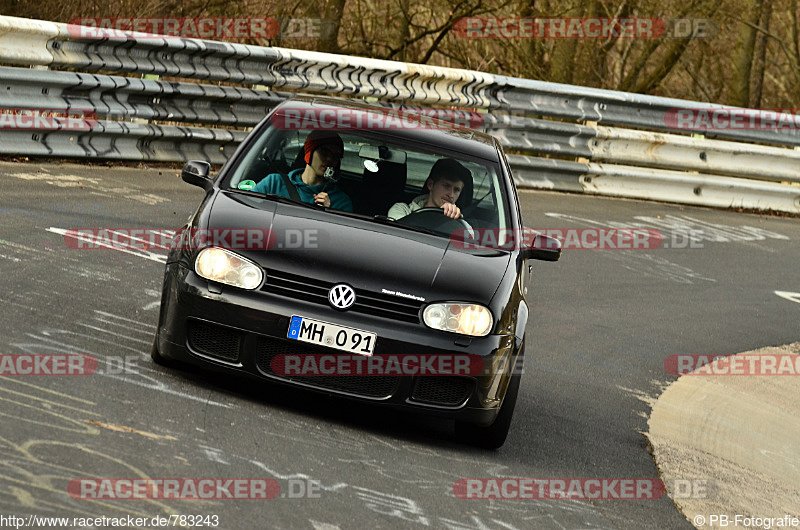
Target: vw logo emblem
341,296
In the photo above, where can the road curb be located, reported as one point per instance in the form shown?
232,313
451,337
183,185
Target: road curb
737,438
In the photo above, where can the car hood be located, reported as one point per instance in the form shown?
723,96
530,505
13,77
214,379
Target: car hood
364,254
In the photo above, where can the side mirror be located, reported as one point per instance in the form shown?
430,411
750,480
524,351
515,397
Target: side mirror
543,248
196,172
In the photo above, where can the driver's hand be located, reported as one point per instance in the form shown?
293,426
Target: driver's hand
322,199
451,210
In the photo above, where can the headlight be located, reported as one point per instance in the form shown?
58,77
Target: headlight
224,266
469,319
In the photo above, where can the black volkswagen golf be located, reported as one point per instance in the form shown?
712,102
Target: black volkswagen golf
356,250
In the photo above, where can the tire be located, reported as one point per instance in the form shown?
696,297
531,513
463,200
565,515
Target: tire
492,436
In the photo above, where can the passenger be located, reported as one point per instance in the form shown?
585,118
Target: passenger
445,184
321,150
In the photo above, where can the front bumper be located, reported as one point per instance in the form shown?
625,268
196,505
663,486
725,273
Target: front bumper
241,331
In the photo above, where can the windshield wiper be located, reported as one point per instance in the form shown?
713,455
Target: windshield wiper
273,196
382,219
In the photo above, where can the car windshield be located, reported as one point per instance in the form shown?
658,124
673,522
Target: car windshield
383,176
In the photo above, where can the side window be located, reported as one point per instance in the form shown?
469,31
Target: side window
351,161
417,175
290,149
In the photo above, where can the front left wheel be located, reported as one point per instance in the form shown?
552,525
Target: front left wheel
492,436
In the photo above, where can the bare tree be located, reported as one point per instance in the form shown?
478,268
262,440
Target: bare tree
333,13
760,53
743,54
562,65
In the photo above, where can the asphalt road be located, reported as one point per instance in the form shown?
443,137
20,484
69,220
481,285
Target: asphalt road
602,325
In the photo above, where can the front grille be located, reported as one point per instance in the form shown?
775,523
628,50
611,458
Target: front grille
367,386
442,390
316,291
214,341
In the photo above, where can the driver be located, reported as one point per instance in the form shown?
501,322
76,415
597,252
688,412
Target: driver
445,184
321,150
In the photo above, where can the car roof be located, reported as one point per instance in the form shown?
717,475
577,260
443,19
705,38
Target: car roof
448,136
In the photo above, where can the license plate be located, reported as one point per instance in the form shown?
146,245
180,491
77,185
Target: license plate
327,334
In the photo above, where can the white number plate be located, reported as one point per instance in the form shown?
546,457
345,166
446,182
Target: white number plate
327,334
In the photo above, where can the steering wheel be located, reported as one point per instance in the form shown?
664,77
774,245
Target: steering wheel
434,218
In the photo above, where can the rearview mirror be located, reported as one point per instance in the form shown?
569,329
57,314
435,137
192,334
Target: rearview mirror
196,172
374,152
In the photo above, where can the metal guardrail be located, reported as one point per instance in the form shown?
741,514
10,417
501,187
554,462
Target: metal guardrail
132,98
645,148
652,184
117,140
601,152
